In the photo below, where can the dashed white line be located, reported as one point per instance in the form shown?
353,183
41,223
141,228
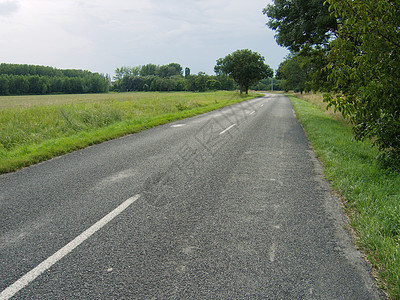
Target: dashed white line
225,130
272,252
253,112
46,264
177,125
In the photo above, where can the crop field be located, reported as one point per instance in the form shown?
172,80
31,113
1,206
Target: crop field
36,128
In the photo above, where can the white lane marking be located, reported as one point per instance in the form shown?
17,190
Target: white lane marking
262,105
272,252
225,130
177,125
253,112
46,264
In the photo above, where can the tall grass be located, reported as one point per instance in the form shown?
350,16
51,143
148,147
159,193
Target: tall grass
317,100
35,128
371,193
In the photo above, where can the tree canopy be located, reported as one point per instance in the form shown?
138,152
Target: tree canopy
16,79
306,28
245,66
151,77
172,69
300,23
292,72
365,64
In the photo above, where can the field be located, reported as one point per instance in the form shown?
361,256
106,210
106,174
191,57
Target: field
370,192
36,128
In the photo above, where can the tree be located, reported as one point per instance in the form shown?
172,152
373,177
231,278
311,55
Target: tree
201,82
21,85
300,23
169,70
245,66
187,72
304,72
4,85
119,73
292,72
267,84
126,71
149,70
306,28
226,82
35,86
365,64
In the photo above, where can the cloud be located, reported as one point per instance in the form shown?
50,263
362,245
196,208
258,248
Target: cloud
8,8
101,35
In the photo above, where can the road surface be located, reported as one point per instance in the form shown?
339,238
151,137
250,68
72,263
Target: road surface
229,204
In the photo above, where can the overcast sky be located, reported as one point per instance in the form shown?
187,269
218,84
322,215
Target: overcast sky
101,35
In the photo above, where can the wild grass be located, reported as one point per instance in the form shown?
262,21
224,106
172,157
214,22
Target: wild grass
371,194
36,128
317,100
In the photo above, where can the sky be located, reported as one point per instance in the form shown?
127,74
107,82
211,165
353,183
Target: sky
102,35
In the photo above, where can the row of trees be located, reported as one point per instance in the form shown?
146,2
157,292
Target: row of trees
24,69
243,68
30,79
169,77
248,67
268,84
37,85
302,71
172,69
350,49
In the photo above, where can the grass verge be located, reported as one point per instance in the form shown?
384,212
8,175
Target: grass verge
371,194
37,128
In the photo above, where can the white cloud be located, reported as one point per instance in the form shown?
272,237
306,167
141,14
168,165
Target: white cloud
8,8
101,35
40,35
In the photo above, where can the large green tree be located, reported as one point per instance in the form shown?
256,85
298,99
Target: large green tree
245,66
306,28
365,64
300,24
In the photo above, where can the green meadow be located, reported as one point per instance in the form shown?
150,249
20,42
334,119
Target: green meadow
37,128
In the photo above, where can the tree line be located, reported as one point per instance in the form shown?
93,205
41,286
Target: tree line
18,79
170,77
23,79
351,50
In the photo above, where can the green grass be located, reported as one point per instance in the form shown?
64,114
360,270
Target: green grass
37,128
371,194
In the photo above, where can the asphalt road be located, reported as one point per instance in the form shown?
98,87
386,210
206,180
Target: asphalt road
229,204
